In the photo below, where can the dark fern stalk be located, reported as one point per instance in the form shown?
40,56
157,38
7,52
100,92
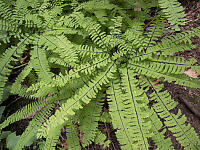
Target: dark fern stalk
101,54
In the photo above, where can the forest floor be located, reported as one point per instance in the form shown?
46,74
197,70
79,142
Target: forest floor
188,100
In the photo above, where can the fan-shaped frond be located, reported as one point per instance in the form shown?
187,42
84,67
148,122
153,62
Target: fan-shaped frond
83,96
80,56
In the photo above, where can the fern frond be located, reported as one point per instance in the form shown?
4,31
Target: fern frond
56,60
40,64
6,58
174,12
157,127
162,49
25,112
96,35
61,29
180,38
89,116
172,65
135,32
53,126
17,84
92,5
42,89
72,137
156,29
105,117
148,69
158,137
6,12
8,26
118,120
88,52
33,126
49,15
100,139
52,138
62,46
128,109
93,29
86,69
184,134
115,30
170,44
86,93
70,21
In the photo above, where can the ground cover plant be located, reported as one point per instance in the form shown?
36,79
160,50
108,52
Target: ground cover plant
76,56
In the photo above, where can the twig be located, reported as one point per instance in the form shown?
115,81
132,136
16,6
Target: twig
190,106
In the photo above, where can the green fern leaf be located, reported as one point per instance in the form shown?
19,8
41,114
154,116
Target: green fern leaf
40,64
100,139
125,110
6,58
33,127
72,137
184,134
89,116
174,12
84,95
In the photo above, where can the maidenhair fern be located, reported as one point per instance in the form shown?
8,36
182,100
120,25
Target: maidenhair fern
104,53
174,12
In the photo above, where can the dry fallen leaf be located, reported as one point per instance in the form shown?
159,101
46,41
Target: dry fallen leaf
137,9
64,145
191,73
22,60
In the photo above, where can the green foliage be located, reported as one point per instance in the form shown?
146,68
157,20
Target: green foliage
11,140
72,137
174,12
83,55
90,114
101,139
